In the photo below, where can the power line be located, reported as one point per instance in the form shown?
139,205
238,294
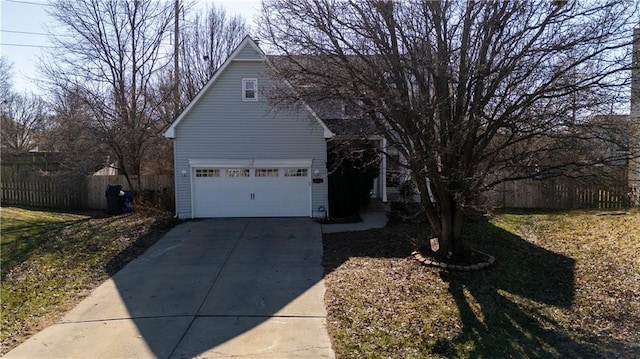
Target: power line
33,33
28,2
25,32
25,45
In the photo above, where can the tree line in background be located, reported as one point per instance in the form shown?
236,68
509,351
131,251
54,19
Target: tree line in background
109,86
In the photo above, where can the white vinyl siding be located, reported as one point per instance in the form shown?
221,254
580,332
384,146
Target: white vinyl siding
248,53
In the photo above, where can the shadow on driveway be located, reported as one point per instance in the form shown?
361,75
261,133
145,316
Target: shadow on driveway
212,288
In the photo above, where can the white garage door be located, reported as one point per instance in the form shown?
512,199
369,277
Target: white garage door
251,192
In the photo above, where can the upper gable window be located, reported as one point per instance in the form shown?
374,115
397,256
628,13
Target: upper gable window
249,89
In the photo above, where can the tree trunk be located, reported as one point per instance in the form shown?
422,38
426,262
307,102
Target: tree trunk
447,225
451,234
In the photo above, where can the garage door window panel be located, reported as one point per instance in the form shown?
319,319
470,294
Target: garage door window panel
237,172
267,172
296,172
207,172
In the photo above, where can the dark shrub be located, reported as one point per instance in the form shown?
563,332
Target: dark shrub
353,165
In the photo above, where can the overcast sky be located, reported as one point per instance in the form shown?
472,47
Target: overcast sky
24,27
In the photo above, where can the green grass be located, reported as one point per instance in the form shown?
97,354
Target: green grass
52,260
564,285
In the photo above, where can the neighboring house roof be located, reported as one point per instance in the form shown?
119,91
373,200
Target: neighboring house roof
247,41
109,170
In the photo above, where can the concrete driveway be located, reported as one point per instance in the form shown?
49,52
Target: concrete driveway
214,288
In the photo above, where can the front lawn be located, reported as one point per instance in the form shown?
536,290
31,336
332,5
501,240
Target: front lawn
52,260
563,285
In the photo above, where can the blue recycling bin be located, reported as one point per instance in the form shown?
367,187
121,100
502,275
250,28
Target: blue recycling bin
127,202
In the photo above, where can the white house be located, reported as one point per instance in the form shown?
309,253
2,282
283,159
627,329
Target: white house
235,156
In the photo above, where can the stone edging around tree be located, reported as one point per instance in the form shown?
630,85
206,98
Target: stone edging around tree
429,262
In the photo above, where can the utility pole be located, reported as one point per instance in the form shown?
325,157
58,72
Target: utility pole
634,117
176,69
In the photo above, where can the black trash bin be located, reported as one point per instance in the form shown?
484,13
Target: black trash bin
114,200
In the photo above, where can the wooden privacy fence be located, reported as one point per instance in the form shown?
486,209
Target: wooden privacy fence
49,192
84,193
156,190
559,194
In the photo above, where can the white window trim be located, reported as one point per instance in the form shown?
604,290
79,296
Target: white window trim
244,89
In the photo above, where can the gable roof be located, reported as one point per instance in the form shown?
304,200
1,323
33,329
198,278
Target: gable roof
247,41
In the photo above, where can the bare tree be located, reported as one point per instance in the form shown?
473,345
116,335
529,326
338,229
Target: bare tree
5,77
23,118
208,38
470,93
71,132
110,57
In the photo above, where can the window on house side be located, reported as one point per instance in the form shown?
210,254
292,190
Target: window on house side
249,89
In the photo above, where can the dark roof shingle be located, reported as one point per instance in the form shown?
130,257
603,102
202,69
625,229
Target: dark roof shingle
353,127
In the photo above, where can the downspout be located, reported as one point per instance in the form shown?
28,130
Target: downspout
383,174
175,181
